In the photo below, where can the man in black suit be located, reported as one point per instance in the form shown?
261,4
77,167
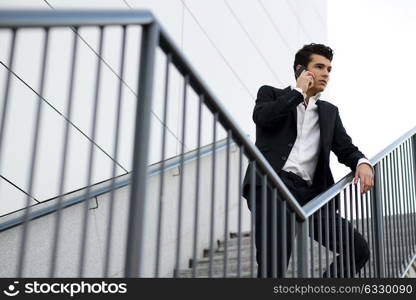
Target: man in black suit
295,131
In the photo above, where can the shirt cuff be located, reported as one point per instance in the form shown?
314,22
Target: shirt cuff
365,161
300,91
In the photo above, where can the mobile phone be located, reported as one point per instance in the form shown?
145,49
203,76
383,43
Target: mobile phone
298,72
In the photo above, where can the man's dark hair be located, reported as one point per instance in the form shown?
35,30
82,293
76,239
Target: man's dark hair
303,56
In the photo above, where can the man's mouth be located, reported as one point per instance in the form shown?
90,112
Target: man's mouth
323,81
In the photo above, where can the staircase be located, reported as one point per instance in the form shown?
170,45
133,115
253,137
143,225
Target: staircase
202,267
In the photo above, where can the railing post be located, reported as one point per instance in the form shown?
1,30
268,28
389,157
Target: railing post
134,250
303,253
414,156
378,219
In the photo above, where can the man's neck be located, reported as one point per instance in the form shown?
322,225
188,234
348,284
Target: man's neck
309,95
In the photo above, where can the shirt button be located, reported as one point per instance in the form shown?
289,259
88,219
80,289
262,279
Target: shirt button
283,157
290,144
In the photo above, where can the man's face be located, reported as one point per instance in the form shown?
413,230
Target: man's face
320,66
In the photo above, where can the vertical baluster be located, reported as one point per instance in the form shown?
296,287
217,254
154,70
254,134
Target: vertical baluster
386,204
7,90
312,238
292,236
400,207
283,225
320,241
253,216
412,184
357,215
408,199
135,235
341,240
181,178
403,205
227,200
162,167
327,242
412,167
373,232
33,158
368,221
274,233
334,238
394,197
107,257
352,229
240,222
68,114
413,150
411,195
371,262
91,158
264,227
198,166
347,234
398,216
364,269
213,185
378,222
393,236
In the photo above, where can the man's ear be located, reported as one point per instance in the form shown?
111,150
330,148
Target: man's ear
298,67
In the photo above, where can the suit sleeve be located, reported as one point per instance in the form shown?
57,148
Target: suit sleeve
269,109
347,153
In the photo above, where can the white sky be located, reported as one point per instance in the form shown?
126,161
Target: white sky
373,70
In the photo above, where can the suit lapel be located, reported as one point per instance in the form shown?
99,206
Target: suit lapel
294,110
322,113
295,117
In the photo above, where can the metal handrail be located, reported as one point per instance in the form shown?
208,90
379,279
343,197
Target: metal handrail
319,201
154,36
57,18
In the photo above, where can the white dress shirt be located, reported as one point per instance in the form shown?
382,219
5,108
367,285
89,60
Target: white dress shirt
303,157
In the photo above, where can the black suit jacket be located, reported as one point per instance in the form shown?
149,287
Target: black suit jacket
275,117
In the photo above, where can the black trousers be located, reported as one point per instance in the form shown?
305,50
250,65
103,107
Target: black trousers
303,193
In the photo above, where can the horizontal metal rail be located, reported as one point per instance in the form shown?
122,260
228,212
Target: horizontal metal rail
319,201
65,18
69,200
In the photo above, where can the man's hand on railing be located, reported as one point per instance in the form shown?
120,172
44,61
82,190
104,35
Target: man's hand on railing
364,172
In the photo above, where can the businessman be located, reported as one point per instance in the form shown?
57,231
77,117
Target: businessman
295,131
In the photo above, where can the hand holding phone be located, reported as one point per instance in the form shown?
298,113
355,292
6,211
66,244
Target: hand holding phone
299,71
303,82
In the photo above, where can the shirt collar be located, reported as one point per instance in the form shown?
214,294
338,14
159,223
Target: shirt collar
315,98
312,99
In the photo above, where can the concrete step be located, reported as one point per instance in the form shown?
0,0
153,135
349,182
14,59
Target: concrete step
233,250
218,268
218,257
245,274
202,268
245,240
